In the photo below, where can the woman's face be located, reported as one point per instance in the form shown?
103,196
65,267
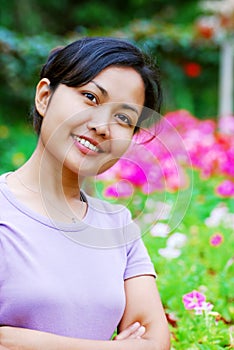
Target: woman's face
87,129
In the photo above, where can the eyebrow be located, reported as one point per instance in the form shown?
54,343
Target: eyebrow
124,105
131,108
103,91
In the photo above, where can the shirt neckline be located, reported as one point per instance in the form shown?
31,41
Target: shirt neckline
6,191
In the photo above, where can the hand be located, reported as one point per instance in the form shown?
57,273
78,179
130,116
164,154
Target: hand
134,331
14,338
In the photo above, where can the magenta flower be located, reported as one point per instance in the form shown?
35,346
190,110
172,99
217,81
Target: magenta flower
216,239
181,141
226,188
120,189
133,171
193,300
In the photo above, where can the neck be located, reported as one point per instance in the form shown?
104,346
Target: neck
43,172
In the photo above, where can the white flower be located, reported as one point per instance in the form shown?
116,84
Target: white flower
229,221
212,222
149,218
217,216
177,240
169,253
225,7
160,230
162,210
205,306
220,216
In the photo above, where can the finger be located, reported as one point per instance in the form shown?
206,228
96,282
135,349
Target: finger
138,333
3,348
128,331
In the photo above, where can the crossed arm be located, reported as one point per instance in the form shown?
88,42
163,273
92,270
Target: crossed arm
143,326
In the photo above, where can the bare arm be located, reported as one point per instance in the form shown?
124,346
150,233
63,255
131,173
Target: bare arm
26,339
143,305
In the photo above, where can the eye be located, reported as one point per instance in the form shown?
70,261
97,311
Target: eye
91,97
124,119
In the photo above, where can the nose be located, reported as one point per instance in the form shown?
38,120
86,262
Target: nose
100,123
100,129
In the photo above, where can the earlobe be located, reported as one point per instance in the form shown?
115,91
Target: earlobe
43,94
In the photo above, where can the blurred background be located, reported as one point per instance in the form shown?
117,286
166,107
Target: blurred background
185,38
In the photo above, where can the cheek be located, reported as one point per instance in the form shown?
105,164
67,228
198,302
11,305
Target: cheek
121,145
54,133
118,148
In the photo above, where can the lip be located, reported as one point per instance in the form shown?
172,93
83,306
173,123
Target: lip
84,149
95,143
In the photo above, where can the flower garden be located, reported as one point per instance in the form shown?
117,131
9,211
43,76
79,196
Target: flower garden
180,188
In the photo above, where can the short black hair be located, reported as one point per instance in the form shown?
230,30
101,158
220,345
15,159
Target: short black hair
80,61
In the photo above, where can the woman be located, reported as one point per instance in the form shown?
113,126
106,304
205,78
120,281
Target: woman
73,268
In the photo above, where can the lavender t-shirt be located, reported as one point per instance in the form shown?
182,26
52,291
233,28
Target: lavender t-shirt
67,279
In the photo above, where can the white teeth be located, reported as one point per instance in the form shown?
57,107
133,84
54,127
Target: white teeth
86,143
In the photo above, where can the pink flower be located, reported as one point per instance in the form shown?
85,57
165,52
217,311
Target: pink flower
111,191
226,188
227,165
216,239
181,141
193,300
119,189
182,120
204,307
226,124
133,171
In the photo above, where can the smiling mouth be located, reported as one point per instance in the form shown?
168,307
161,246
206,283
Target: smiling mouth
84,142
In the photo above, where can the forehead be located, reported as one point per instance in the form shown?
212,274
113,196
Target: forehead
122,84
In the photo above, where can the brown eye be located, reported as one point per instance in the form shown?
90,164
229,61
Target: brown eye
91,97
124,119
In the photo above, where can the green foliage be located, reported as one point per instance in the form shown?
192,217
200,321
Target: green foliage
21,60
94,14
160,27
31,17
16,145
172,47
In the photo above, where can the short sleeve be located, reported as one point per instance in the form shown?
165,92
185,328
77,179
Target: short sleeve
138,259
2,258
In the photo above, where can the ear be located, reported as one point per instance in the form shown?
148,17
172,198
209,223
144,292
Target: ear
43,94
